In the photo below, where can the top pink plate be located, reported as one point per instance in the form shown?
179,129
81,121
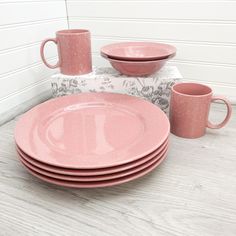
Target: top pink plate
91,130
138,51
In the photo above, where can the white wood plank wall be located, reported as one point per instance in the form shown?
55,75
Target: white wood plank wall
23,26
204,33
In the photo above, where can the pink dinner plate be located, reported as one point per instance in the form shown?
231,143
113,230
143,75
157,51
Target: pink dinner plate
92,172
138,51
92,130
97,184
93,178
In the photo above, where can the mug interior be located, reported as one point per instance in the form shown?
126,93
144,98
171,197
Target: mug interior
73,31
192,89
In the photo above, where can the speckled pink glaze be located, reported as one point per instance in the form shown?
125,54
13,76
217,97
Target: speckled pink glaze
99,184
137,68
189,109
94,177
138,51
74,51
92,172
91,130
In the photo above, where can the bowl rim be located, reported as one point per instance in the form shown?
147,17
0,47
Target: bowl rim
135,62
122,44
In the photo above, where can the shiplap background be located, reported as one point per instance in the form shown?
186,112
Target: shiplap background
23,77
204,33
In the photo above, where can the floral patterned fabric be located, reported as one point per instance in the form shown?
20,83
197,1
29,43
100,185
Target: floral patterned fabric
155,88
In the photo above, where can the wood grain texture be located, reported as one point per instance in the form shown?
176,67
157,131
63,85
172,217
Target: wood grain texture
192,193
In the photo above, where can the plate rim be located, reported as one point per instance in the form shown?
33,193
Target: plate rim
107,183
95,178
103,95
90,172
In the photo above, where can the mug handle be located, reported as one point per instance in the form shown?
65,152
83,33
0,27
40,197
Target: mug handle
42,53
228,115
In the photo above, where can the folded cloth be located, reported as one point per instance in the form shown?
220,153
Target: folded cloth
155,88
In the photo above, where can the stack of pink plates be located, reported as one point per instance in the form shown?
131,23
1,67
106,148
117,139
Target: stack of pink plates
92,139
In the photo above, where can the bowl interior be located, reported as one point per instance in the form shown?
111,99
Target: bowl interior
141,62
138,50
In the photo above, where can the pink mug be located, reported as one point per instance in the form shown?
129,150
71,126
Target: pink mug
189,110
74,51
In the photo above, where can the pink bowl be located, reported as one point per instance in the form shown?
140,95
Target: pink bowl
137,68
138,51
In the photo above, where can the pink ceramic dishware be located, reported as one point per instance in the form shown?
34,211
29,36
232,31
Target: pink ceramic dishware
189,109
97,177
137,68
97,184
167,58
74,51
91,130
92,172
138,51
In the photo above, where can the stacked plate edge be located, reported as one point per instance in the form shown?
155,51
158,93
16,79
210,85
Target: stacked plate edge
92,139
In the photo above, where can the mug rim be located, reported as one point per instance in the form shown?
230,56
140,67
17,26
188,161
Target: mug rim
173,88
72,31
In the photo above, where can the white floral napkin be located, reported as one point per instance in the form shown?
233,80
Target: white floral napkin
155,88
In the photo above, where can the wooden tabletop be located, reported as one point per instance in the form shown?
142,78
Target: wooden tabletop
192,193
